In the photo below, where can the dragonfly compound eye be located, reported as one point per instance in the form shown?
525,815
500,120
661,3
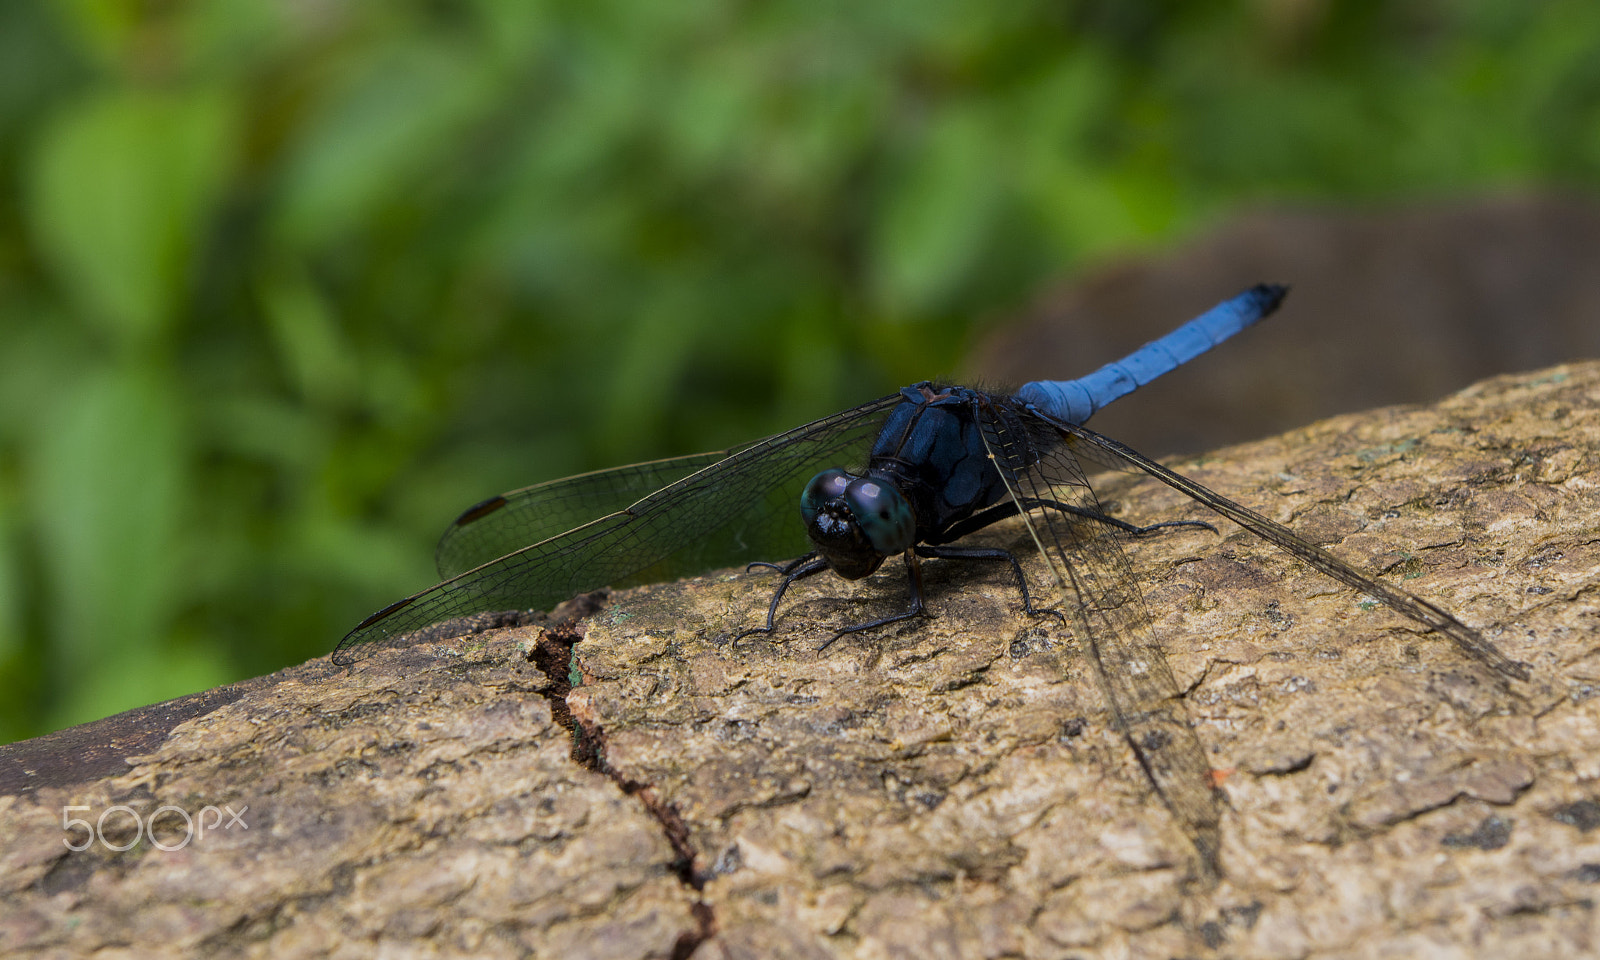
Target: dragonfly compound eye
883,513
828,485
855,522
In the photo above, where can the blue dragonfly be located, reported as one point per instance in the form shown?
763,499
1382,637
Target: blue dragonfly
924,468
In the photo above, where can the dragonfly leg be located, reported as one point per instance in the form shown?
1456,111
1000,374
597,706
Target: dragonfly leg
914,568
792,571
1163,525
1010,508
993,553
783,568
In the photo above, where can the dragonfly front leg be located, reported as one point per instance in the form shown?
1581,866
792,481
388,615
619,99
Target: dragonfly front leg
792,571
918,608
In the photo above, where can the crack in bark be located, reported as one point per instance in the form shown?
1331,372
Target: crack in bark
552,654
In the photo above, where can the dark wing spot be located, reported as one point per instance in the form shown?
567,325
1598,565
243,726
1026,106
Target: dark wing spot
480,510
391,608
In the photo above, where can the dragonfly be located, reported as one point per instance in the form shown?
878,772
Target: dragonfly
909,474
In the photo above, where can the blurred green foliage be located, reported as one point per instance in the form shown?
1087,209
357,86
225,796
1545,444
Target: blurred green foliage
284,285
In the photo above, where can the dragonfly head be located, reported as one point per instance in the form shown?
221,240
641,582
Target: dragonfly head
855,522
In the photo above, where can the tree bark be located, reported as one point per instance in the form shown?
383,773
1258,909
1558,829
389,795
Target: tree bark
947,787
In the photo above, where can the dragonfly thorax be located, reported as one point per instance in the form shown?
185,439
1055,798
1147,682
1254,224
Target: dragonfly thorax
855,522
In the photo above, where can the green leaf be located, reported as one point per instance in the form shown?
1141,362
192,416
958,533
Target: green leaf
11,600
315,353
108,481
371,143
122,186
938,214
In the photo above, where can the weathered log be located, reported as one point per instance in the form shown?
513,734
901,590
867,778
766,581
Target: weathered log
949,787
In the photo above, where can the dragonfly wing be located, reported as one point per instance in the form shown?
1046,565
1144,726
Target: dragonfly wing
1087,559
511,521
1469,640
726,513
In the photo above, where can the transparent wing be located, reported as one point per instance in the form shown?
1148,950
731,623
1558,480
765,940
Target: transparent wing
1087,560
1469,640
729,512
511,521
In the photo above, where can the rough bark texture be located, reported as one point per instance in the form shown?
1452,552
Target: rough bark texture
950,787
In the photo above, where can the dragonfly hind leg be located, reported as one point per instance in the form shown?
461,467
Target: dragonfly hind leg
1010,508
1152,527
919,608
993,553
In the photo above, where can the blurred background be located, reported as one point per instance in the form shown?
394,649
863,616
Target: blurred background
286,284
